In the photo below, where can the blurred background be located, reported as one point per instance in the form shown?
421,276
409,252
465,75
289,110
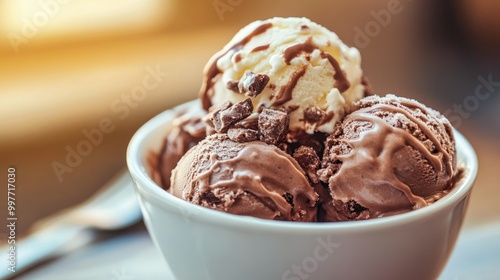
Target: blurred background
78,78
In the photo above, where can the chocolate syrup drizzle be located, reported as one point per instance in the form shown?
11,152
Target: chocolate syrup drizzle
341,82
308,47
253,171
260,48
294,51
285,93
206,91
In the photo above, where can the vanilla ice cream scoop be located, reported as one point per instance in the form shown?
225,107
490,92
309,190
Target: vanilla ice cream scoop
289,63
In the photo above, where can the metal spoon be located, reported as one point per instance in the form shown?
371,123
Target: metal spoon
114,207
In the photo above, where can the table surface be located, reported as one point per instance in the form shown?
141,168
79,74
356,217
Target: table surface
132,255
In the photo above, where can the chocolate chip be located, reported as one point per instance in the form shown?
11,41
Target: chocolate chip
354,207
289,198
233,85
228,114
273,126
213,121
223,106
351,210
292,108
210,198
250,123
252,84
313,114
242,134
309,161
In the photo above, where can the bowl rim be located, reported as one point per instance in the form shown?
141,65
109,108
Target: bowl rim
136,152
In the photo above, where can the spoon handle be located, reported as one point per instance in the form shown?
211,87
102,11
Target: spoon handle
41,245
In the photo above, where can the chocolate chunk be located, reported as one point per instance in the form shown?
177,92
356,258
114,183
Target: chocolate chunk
252,84
292,108
210,198
289,198
209,125
242,134
250,123
228,114
233,85
354,207
309,161
351,210
313,114
214,115
273,125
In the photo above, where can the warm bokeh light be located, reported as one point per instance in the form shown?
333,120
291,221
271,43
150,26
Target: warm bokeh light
66,20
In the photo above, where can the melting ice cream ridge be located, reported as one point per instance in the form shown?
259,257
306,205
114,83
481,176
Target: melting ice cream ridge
370,168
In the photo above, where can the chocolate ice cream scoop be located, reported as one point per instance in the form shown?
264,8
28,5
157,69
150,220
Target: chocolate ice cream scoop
188,129
390,155
247,178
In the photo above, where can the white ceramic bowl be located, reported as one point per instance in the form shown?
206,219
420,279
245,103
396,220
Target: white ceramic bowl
199,243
